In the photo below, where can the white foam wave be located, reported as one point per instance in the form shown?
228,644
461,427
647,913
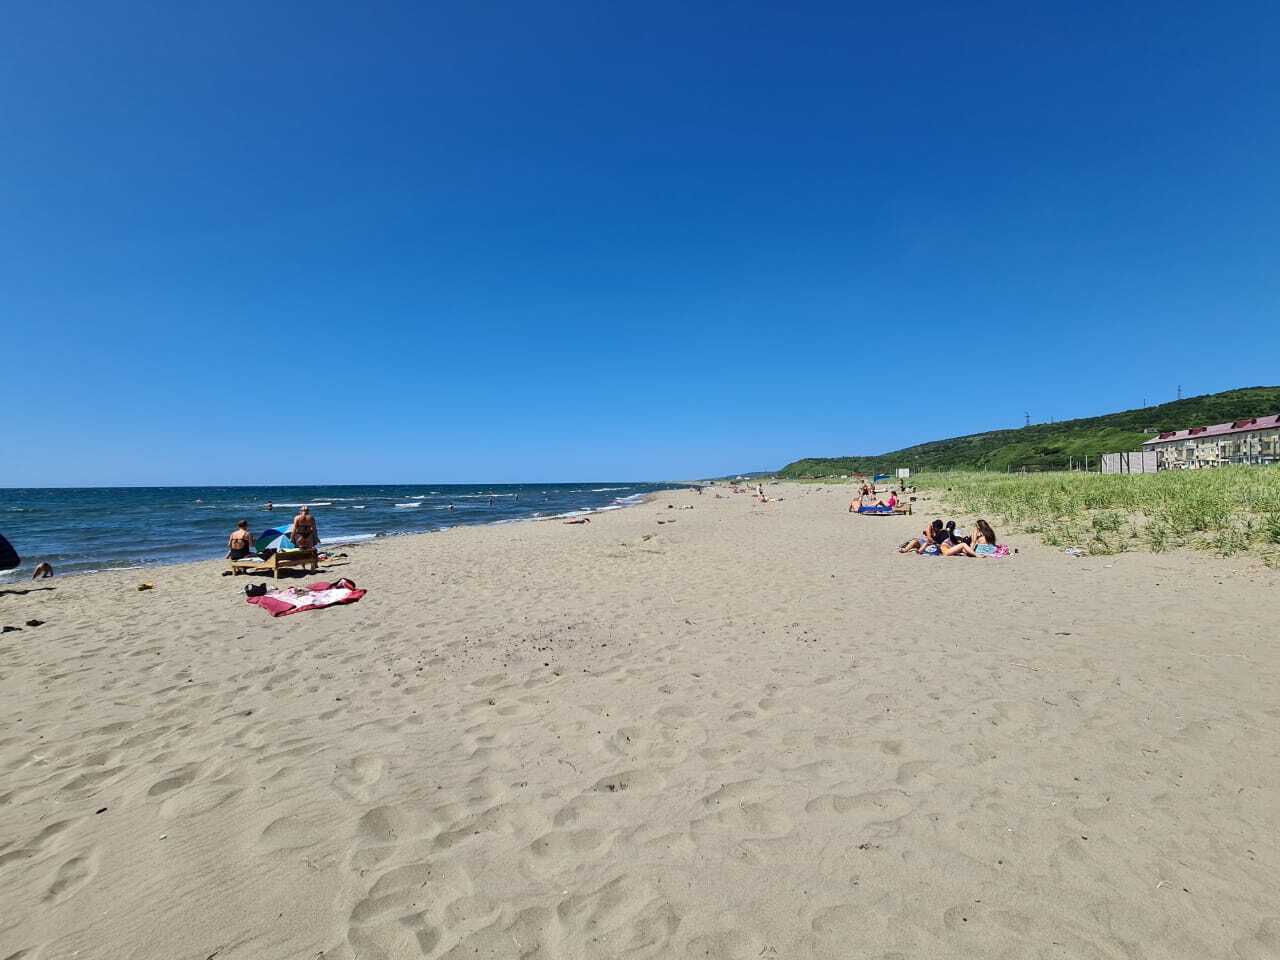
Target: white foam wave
409,506
348,538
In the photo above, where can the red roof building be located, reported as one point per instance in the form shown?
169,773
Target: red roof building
1249,440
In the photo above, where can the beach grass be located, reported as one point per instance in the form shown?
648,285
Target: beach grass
1227,511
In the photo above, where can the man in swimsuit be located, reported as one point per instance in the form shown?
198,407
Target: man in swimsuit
240,543
304,533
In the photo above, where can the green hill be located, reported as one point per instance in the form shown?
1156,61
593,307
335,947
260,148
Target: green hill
1052,446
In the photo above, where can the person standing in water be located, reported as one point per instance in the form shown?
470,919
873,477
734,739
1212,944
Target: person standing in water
304,533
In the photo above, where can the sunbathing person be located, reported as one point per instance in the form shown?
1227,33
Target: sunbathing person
304,533
240,543
984,539
981,544
928,537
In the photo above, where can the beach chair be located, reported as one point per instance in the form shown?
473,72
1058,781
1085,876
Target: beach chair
279,560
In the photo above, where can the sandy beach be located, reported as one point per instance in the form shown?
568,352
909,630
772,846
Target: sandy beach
699,727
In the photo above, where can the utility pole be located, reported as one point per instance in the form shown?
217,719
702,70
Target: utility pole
1027,419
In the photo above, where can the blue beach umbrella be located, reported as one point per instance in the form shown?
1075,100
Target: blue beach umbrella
277,538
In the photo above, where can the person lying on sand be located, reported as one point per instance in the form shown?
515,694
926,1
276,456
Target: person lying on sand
579,520
240,543
891,503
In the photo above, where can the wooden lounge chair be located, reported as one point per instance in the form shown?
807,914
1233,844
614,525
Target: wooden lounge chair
279,560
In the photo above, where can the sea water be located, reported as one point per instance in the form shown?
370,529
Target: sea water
79,530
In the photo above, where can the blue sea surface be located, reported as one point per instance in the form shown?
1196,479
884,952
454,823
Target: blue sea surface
79,530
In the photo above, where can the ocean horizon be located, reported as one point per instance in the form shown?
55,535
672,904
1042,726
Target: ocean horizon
85,529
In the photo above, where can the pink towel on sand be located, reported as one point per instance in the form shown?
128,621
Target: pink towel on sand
281,603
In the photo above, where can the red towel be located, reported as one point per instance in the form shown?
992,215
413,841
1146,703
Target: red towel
281,603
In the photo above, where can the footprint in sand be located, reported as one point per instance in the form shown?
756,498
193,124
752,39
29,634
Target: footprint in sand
877,806
71,876
403,913
569,844
290,833
45,839
359,777
174,780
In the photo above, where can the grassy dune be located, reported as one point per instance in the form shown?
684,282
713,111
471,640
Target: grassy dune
1227,511
1051,446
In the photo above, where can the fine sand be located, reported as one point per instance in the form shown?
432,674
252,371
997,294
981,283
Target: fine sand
752,731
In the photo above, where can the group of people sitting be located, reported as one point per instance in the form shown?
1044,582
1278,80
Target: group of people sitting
941,539
866,502
303,533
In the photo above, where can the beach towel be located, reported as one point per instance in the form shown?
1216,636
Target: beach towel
281,603
876,509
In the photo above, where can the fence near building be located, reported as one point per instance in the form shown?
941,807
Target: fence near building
1139,461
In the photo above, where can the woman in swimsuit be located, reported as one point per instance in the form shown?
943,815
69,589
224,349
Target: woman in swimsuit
983,540
240,543
304,534
929,536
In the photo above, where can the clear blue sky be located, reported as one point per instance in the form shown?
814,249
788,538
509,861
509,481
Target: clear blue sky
277,242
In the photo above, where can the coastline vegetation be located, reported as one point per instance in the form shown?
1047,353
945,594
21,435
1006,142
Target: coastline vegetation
1228,510
1051,446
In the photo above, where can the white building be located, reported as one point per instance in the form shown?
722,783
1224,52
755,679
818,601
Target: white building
1251,440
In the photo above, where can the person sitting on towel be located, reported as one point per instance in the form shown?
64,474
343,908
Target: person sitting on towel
930,536
982,543
240,543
